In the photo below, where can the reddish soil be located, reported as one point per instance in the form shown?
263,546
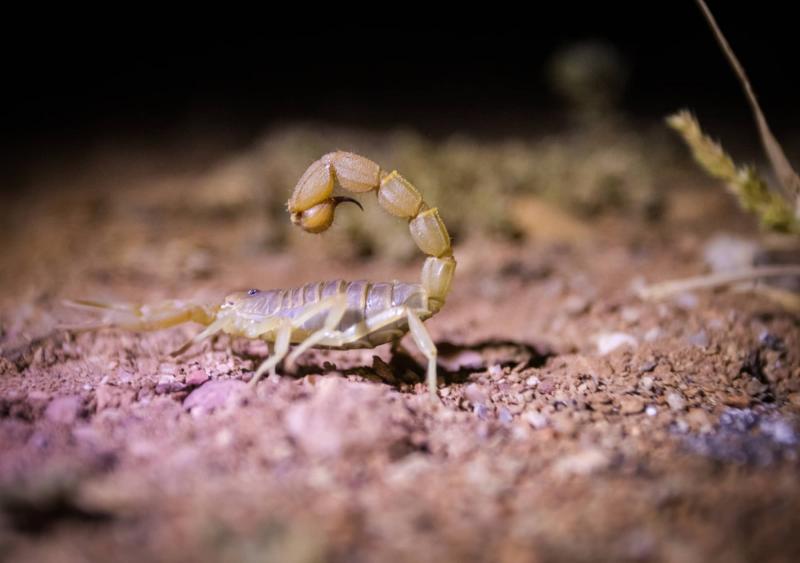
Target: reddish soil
680,444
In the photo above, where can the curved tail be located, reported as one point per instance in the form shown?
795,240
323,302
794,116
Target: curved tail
313,205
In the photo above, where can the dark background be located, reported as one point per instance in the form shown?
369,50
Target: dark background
76,80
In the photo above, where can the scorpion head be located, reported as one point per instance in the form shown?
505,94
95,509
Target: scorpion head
233,300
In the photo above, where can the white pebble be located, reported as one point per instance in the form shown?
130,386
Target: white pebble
652,334
536,419
676,401
610,341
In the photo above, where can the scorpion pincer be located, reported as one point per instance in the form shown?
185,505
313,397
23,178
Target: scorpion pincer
337,314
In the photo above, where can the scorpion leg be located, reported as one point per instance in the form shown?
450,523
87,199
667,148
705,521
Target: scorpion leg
425,344
283,336
208,332
418,332
338,307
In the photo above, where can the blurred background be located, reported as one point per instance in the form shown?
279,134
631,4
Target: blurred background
73,81
164,145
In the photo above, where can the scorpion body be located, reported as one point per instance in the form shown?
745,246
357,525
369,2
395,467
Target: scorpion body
366,303
336,314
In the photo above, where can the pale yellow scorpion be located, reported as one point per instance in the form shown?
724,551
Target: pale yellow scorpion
337,314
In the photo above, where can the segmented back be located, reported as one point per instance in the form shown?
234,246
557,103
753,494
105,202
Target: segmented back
364,299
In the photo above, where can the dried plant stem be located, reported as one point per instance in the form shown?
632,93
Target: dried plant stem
672,287
787,177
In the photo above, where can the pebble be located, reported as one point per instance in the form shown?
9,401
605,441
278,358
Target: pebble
532,381
699,339
575,305
738,401
648,366
536,419
652,335
168,384
495,370
686,301
780,431
214,394
651,410
64,409
727,253
630,404
646,383
607,342
676,401
586,462
475,394
699,420
630,314
480,411
196,377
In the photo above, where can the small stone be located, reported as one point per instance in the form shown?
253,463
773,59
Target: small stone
586,462
652,335
465,359
64,410
546,387
699,420
646,383
610,341
168,384
676,401
630,314
575,305
505,416
651,410
771,341
780,431
682,426
647,367
533,381
495,371
699,339
727,253
686,301
536,419
214,394
196,377
738,401
630,404
754,387
480,411
475,394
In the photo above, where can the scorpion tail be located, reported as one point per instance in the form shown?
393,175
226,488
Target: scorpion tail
312,206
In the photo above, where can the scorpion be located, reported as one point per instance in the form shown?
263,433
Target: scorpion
337,314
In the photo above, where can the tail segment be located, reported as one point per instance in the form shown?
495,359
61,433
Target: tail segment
313,205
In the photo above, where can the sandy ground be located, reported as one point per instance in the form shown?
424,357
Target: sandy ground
579,423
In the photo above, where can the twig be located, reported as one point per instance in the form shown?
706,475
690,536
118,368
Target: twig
672,287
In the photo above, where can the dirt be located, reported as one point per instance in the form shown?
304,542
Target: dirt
578,422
